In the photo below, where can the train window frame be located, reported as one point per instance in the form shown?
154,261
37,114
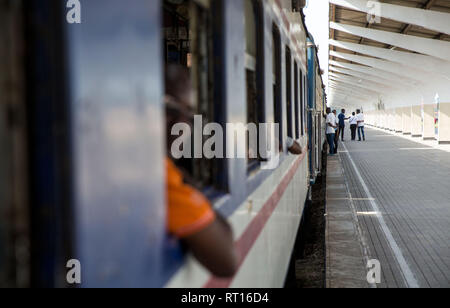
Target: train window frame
254,72
288,88
277,81
202,173
302,101
296,99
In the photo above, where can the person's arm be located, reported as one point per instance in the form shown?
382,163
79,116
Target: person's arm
329,123
191,219
213,247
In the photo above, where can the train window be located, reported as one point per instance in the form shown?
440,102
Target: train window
302,101
254,74
188,42
276,72
289,91
297,96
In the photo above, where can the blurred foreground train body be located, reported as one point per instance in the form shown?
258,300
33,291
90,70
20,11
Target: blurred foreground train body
82,136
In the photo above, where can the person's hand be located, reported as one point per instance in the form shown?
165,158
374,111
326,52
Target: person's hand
296,149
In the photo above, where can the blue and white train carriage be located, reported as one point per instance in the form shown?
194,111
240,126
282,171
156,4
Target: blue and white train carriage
88,145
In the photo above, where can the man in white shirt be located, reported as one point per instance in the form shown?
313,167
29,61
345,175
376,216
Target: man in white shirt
331,130
337,130
353,125
360,120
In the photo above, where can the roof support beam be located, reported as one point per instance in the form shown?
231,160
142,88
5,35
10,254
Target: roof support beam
436,21
403,80
349,100
408,27
362,83
363,76
356,97
435,48
350,94
384,65
357,91
342,102
350,87
359,85
425,63
346,92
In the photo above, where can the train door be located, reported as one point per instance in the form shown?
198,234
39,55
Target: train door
317,145
320,142
116,89
314,147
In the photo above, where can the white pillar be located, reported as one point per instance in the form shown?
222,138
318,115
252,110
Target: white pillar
428,123
398,120
444,123
385,119
380,118
416,121
388,119
406,120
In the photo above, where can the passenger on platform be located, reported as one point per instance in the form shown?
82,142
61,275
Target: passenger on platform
342,120
336,136
331,130
360,120
190,216
353,125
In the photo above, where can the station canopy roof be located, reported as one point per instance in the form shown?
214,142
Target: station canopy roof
345,15
348,16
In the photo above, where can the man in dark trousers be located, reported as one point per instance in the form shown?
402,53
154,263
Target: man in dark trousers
331,130
342,120
353,125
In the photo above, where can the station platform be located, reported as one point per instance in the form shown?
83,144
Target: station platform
389,197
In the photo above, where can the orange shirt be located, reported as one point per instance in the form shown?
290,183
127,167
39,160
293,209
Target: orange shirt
188,210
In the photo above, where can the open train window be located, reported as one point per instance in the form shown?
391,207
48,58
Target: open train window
297,98
188,42
289,91
276,72
254,75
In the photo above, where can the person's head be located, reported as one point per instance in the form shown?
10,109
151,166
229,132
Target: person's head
178,99
353,113
334,111
358,111
328,110
343,111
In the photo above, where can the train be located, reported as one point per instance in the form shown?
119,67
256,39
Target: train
83,137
